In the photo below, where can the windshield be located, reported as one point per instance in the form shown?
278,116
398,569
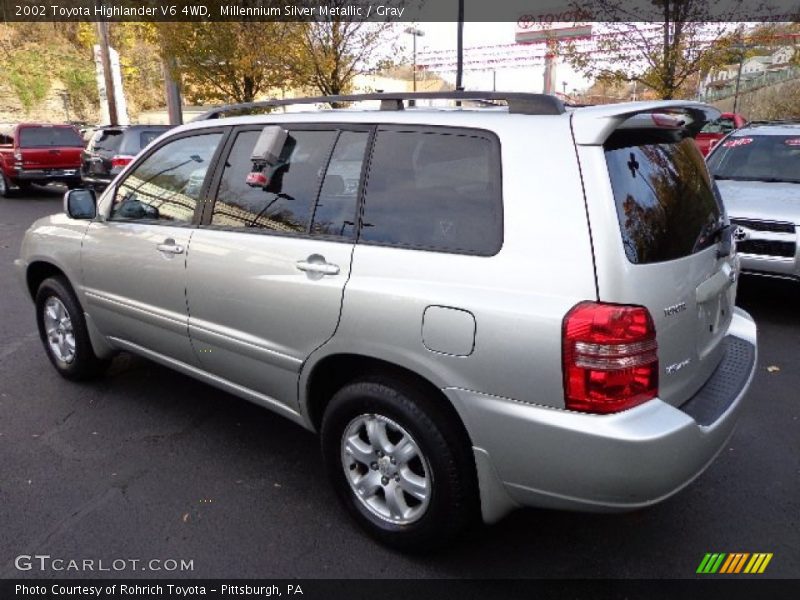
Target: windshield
38,137
758,158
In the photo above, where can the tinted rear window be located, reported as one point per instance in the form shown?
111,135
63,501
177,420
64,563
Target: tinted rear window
145,137
667,205
37,137
757,158
722,125
106,141
434,191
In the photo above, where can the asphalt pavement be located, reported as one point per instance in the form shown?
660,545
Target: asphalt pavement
150,464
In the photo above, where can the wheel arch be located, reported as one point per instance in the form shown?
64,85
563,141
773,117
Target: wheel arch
332,372
38,271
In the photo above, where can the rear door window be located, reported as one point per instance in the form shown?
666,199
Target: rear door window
42,137
286,203
667,205
435,190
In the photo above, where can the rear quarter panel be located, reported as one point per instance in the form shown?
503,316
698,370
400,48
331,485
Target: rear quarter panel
518,297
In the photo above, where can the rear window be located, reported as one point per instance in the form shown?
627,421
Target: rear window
106,141
39,137
666,203
757,158
722,125
435,190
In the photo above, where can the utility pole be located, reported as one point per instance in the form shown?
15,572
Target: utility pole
460,47
741,48
105,57
415,33
172,89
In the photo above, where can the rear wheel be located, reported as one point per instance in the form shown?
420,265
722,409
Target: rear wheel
399,464
5,186
62,328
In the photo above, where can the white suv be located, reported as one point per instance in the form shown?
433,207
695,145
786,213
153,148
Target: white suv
478,309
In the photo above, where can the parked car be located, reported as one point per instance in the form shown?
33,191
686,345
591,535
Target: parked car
110,149
39,153
509,307
757,169
717,129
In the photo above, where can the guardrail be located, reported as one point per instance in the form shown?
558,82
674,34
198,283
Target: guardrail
750,84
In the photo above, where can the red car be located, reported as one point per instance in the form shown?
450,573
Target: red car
39,153
714,131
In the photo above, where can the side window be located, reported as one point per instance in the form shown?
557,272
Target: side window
166,186
336,208
286,202
434,191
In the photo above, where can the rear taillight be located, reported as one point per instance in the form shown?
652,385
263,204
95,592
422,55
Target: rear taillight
120,160
610,357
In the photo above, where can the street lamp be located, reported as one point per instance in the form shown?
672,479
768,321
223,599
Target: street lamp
413,31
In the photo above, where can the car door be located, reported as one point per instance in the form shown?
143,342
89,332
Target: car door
134,260
269,264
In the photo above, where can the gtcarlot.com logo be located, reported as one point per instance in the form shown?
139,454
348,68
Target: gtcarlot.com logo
45,562
734,563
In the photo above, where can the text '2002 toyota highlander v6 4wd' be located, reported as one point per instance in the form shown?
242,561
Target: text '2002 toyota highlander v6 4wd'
478,309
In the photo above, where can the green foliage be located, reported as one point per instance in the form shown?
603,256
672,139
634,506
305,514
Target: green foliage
81,87
28,75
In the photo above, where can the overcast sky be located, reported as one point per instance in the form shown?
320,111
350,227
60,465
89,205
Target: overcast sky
442,36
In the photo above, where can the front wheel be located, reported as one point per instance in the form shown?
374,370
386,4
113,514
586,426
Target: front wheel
399,463
62,328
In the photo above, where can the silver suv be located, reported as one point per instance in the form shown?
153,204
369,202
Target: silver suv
507,304
756,168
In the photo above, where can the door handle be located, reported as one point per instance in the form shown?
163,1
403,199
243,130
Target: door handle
317,264
170,247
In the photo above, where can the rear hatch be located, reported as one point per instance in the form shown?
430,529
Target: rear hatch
660,232
45,147
102,147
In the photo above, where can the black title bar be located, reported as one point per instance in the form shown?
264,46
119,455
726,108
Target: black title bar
524,12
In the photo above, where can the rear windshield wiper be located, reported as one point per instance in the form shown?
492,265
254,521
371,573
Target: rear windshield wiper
724,232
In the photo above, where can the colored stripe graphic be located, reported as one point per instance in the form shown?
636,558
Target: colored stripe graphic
720,562
727,564
710,563
758,563
741,562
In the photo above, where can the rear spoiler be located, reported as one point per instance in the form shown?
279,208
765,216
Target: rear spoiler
592,126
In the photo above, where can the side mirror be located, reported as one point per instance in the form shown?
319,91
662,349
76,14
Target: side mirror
80,204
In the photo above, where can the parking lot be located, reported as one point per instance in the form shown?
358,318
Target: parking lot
149,464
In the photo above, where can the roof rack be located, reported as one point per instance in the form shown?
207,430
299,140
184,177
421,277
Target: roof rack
519,103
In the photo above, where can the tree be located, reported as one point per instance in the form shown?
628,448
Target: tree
667,54
335,50
229,61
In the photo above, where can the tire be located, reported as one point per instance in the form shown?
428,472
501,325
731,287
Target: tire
74,184
62,329
5,186
423,452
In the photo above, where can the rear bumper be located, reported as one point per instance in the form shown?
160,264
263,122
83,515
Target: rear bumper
34,175
530,455
96,180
